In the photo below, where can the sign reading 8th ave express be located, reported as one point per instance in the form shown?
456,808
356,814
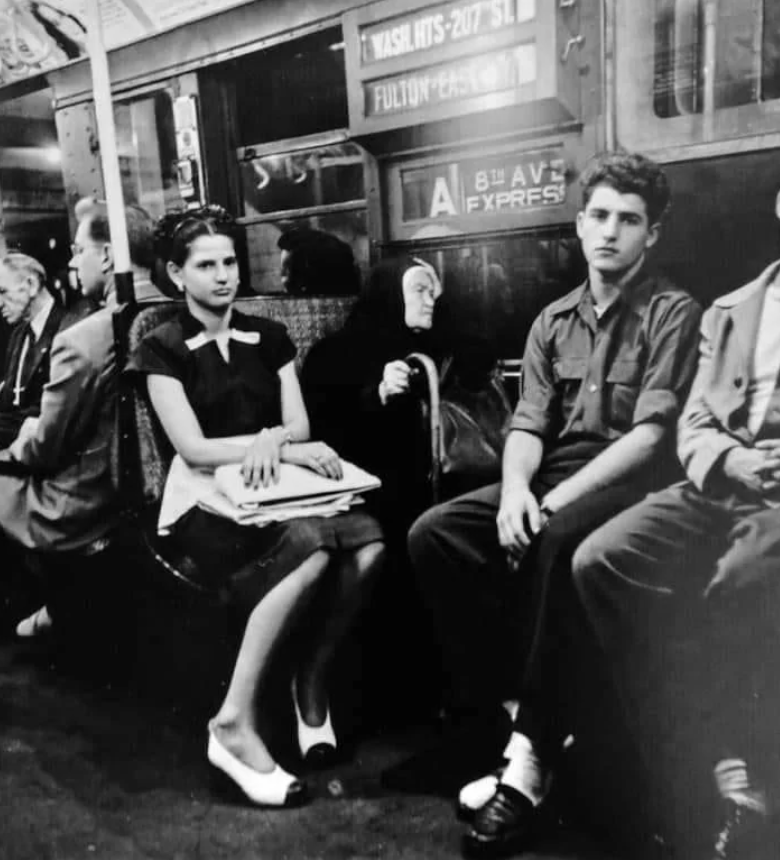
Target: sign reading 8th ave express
485,186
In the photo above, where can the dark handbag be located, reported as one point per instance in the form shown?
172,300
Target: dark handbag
473,426
468,426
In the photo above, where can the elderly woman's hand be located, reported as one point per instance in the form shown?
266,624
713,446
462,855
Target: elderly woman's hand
317,456
261,460
395,380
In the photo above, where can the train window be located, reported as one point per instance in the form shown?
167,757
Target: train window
146,142
317,182
293,89
320,176
745,43
32,190
264,256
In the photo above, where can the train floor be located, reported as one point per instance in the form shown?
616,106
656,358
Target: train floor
102,757
95,769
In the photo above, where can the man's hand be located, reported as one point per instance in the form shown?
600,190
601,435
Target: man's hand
518,520
756,469
26,432
770,448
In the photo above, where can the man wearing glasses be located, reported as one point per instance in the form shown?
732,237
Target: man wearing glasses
56,492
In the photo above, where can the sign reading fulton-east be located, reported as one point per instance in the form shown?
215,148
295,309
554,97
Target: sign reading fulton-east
460,79
485,186
410,63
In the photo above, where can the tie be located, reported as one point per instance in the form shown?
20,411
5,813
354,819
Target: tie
25,365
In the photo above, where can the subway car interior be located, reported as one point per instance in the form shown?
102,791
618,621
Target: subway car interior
451,137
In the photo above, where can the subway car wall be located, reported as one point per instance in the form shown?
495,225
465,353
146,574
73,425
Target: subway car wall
721,230
494,287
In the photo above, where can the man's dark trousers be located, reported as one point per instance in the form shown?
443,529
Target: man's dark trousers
498,629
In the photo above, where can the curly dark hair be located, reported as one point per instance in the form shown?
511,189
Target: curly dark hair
177,230
629,173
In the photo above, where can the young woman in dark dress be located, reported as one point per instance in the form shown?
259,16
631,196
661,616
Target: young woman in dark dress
225,390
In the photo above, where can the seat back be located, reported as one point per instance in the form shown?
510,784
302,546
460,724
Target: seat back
144,452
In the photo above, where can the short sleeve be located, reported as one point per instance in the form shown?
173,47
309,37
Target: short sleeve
539,399
277,345
157,354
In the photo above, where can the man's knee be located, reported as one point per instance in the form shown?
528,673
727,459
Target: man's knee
590,564
426,529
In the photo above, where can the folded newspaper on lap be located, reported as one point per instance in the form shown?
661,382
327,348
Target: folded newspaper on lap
299,493
295,483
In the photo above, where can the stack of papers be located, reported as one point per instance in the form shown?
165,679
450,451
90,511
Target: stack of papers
299,492
295,482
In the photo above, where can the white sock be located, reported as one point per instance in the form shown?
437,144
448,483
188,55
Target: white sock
525,772
733,782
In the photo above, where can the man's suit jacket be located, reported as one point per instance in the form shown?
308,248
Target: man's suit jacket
12,416
715,416
60,494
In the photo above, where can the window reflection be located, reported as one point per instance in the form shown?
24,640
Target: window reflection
146,143
299,180
264,256
746,40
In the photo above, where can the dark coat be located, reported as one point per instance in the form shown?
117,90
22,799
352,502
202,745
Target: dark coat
340,380
12,416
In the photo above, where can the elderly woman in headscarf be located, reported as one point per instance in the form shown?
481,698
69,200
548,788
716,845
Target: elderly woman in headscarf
362,393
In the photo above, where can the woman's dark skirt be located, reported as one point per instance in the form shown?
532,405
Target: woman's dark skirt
247,562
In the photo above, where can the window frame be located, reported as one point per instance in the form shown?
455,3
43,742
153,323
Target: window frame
710,132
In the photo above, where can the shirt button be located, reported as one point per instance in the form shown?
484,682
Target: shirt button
593,388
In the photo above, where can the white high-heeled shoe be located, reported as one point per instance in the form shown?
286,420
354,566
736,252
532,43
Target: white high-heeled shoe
275,788
316,743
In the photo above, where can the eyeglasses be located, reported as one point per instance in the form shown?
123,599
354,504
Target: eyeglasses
78,250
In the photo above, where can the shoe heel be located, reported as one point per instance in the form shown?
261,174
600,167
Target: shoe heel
224,788
317,743
277,788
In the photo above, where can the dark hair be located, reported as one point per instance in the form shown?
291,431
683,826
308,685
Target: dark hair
629,173
320,263
140,229
177,230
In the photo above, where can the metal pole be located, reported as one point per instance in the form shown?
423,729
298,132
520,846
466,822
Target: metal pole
608,62
710,52
109,158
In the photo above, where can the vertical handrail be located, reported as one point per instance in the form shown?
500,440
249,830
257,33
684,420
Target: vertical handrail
709,66
608,61
109,156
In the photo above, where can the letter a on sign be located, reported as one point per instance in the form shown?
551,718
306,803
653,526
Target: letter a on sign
441,199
